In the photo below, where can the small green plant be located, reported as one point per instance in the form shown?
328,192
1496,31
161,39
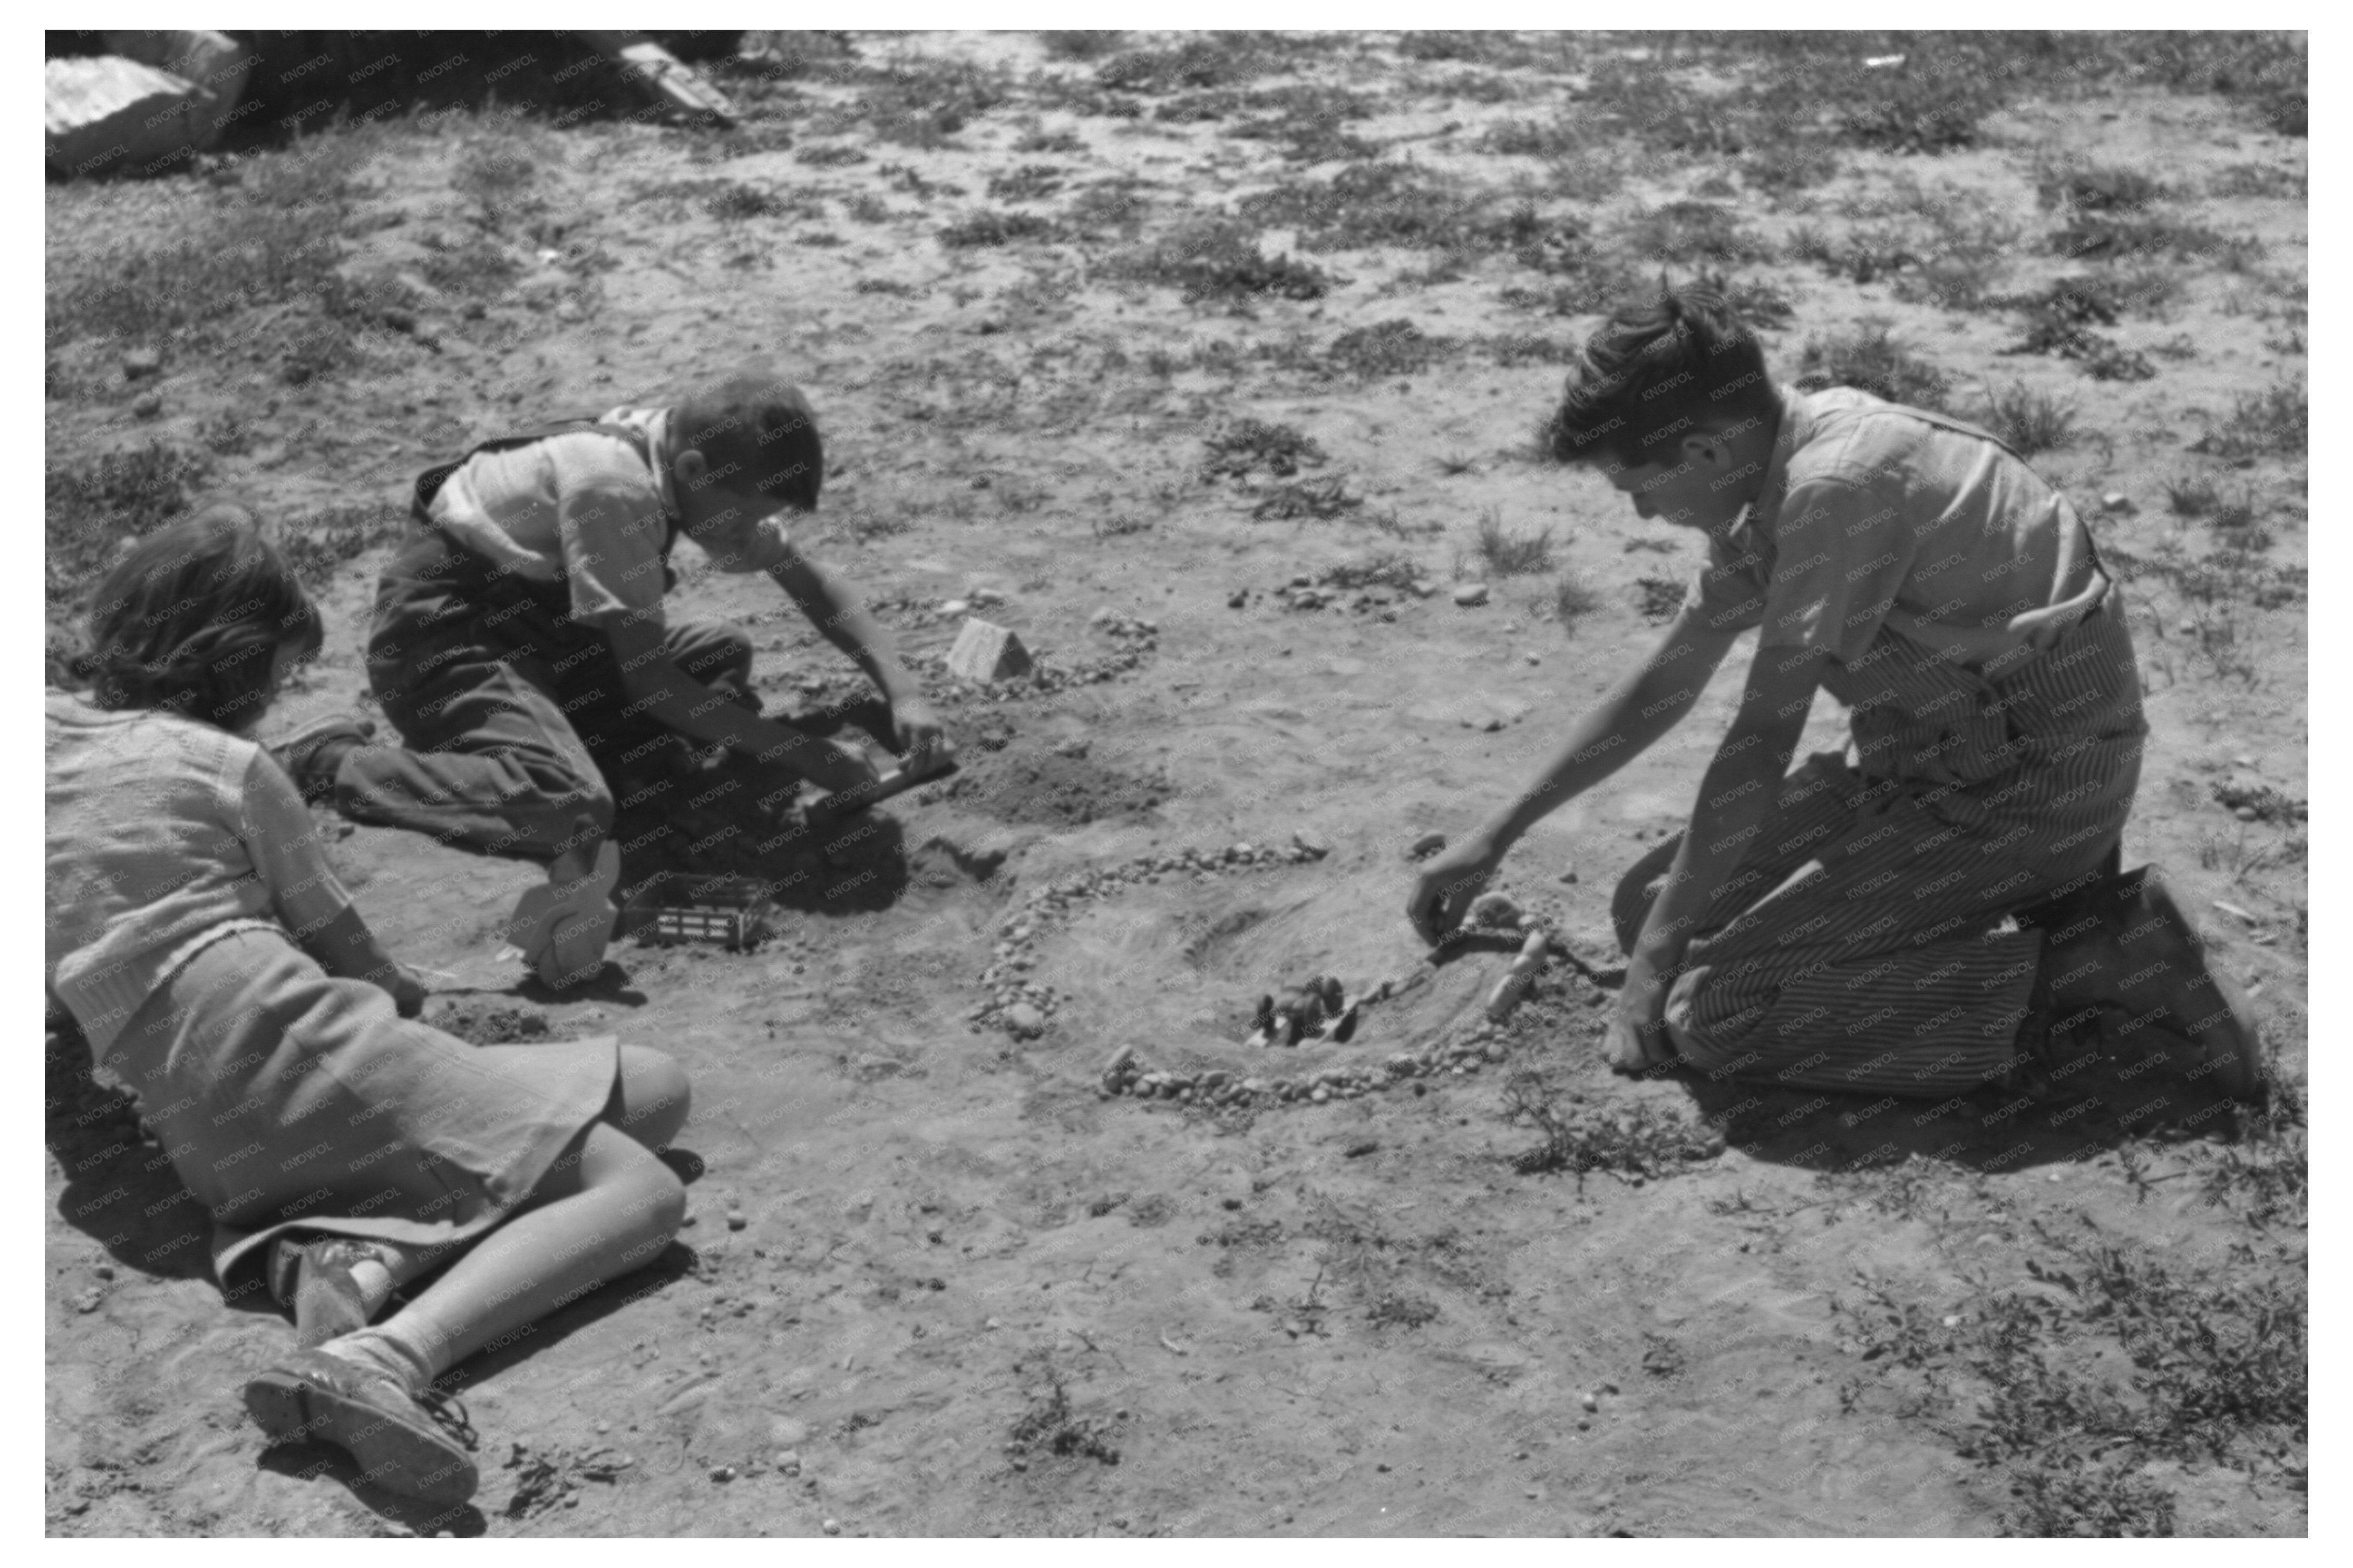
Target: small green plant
992,229
1029,183
1573,599
2192,495
316,544
1246,446
95,506
2029,421
1387,348
1223,262
1082,44
1509,554
1642,1141
2276,421
1683,233
1872,359
828,154
1319,499
2103,188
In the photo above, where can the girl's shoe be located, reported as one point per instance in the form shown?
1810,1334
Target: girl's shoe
561,929
313,1277
411,1446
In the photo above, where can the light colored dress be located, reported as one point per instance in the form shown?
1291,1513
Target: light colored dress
182,867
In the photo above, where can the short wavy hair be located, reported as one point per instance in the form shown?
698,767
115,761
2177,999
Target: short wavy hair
758,435
1680,360
189,618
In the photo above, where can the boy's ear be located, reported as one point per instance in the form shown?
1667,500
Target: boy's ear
689,468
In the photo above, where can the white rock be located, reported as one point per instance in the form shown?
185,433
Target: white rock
986,651
1470,594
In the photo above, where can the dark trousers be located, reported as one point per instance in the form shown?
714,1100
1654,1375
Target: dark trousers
513,720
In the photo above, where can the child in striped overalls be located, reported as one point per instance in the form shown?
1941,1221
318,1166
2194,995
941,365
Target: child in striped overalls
1855,924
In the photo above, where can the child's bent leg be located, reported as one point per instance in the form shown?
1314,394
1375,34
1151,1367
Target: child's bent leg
606,1209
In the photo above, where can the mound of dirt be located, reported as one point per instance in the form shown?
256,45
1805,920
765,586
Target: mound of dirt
1055,791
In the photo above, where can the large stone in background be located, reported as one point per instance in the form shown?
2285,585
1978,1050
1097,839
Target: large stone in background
986,651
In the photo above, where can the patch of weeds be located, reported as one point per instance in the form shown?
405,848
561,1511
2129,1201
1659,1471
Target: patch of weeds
1041,139
316,544
1388,569
1386,348
911,182
1366,205
1948,282
923,103
1528,348
225,434
2270,1186
1509,554
476,267
828,154
1203,60
990,228
1219,261
1050,1425
735,202
1639,1141
1662,597
1784,171
1319,499
1246,446
1117,205
1874,360
1029,183
1573,599
2114,236
1453,465
2193,495
94,506
2276,421
885,286
2029,421
2259,180
2266,804
1407,1311
1662,1357
1081,44
1756,302
2100,188
1119,525
1688,232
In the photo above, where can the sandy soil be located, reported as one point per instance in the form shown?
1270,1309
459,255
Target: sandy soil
938,1280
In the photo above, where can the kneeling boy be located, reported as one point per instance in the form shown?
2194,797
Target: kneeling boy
1844,926
520,649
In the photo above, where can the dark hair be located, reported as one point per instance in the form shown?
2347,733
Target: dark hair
1681,360
191,618
759,435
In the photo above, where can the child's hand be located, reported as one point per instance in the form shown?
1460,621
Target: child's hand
408,991
923,739
1638,1032
836,769
1443,895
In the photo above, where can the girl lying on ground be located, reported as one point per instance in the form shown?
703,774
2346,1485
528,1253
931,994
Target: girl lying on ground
217,968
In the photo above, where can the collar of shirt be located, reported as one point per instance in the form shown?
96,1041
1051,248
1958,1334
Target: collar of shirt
1797,423
655,424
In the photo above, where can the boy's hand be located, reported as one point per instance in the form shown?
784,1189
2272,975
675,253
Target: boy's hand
1442,894
923,739
834,768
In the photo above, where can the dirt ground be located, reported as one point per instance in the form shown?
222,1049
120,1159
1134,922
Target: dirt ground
939,1280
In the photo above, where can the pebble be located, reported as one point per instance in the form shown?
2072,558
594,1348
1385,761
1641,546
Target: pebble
138,363
1590,1403
736,1220
1533,659
1569,875
723,1473
987,596
1428,843
1495,910
1470,594
104,1271
147,404
1422,587
1025,1022
1313,844
1236,601
955,606
831,1527
2116,501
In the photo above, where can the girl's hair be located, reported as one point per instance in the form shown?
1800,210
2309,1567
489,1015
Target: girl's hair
191,616
759,435
1682,360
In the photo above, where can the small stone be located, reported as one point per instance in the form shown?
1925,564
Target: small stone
987,596
831,1527
736,1219
2116,501
1428,843
1313,844
104,1271
1590,1403
1470,594
1025,1022
1422,587
1533,659
986,651
1238,600
955,606
147,404
139,364
1495,910
1569,875
723,1473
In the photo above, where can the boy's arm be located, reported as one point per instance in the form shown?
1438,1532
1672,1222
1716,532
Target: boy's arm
834,610
654,685
1644,704
1736,796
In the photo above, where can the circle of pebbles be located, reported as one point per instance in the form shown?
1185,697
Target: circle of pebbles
1135,640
